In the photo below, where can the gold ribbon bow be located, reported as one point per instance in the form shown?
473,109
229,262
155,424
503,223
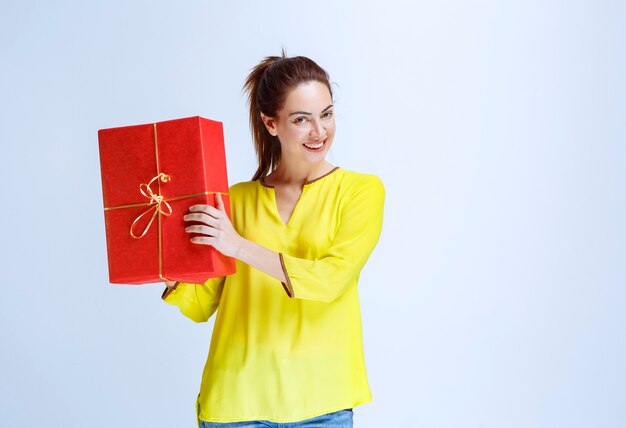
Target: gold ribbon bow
157,203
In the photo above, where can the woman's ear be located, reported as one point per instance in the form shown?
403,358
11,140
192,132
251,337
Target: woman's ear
270,124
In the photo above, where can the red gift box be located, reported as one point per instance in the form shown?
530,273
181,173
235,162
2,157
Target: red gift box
151,175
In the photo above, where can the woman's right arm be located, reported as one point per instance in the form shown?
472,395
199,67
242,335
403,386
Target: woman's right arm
196,301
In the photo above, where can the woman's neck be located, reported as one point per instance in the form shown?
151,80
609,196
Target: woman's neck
296,175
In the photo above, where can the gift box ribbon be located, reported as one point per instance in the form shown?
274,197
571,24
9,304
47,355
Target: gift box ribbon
157,203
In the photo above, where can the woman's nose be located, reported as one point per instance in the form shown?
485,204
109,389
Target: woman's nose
318,130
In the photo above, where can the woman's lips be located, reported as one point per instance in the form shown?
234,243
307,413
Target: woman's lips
315,147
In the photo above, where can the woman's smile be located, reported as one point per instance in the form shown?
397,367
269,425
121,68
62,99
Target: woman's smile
315,146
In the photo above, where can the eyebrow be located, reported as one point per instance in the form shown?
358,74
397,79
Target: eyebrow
304,112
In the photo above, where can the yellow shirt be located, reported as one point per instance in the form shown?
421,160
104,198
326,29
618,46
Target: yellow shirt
291,352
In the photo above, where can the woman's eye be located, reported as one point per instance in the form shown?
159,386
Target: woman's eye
327,114
300,120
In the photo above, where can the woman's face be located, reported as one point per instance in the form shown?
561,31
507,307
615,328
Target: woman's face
306,125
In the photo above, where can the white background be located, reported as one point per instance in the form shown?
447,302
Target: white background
496,296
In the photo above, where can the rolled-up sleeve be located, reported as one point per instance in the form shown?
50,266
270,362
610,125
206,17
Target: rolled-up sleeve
196,301
358,231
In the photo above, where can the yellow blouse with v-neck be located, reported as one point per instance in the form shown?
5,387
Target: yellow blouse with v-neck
293,352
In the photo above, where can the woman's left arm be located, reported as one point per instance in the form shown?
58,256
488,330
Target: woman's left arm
338,267
324,279
219,232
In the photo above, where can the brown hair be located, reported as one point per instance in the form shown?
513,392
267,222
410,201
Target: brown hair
268,85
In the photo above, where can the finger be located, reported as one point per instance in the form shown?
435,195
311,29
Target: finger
207,209
201,218
219,203
203,240
204,230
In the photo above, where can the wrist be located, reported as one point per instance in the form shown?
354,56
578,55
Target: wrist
172,284
169,289
240,248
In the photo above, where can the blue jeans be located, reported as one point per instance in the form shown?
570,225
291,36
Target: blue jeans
340,419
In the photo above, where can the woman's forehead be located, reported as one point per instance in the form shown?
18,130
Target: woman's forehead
311,96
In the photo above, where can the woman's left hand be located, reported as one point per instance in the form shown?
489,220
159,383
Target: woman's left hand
216,227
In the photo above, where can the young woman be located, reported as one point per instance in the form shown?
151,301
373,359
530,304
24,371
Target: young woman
286,349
